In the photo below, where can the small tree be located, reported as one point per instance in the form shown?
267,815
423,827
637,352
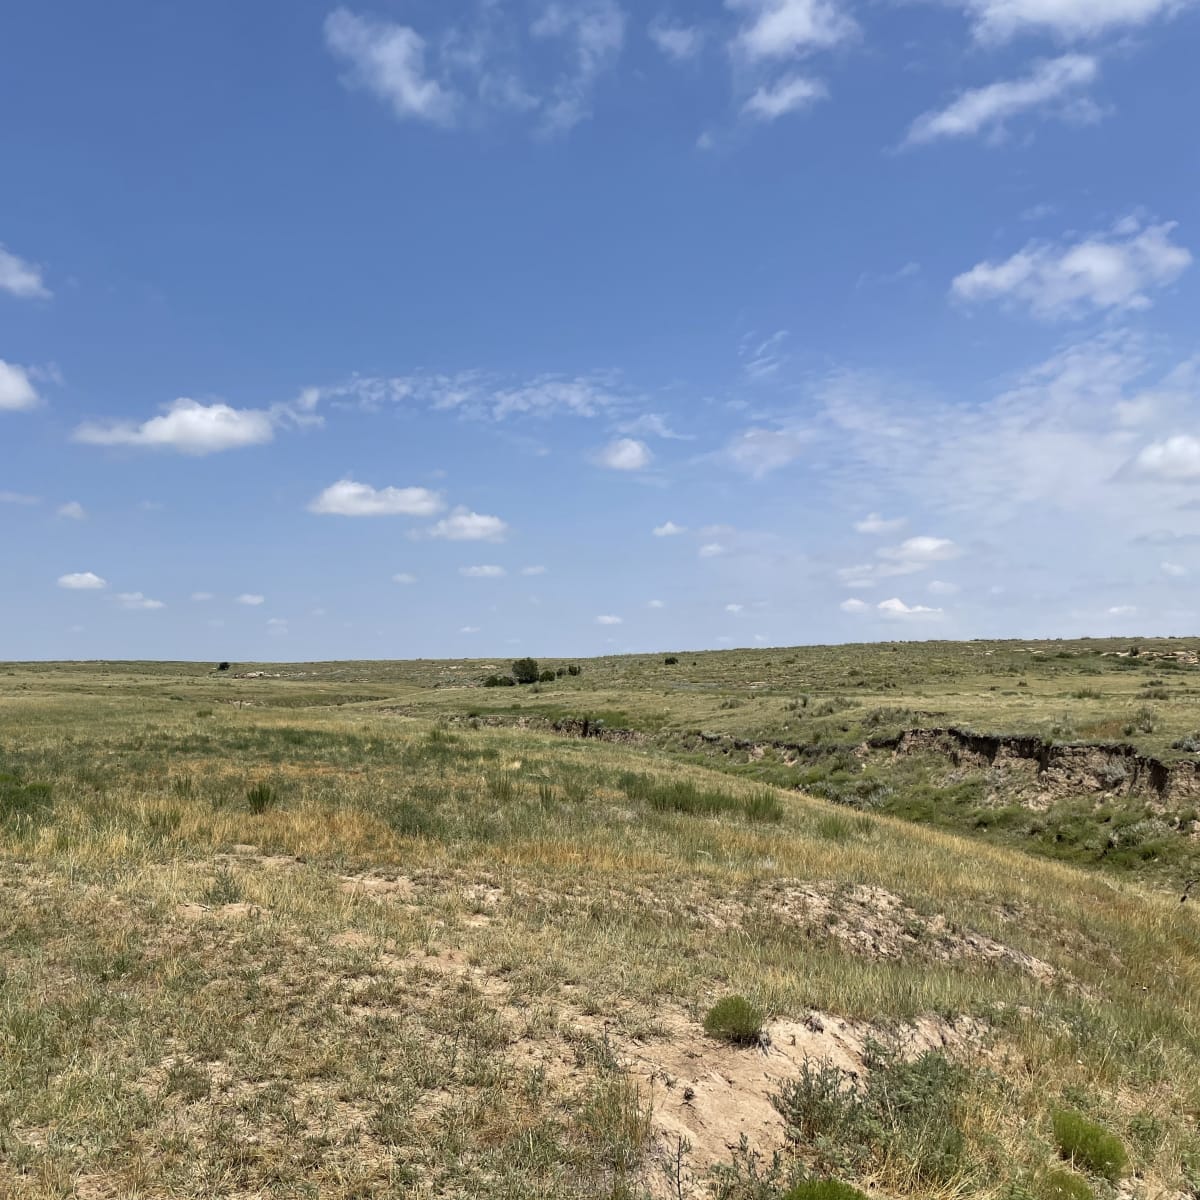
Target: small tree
573,669
525,670
546,677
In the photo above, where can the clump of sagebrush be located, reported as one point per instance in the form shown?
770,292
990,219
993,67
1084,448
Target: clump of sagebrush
823,1189
734,1019
904,1121
1090,1146
1145,720
261,797
1064,1185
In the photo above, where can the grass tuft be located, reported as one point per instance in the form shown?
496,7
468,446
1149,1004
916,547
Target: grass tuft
734,1019
261,797
1090,1146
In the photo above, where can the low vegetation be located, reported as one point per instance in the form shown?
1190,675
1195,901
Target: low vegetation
360,930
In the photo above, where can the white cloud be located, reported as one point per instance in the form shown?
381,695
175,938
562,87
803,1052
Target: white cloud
1175,459
897,608
609,620
404,577
1122,610
251,600
187,426
986,109
775,29
758,452
854,605
669,529
874,523
1000,20
761,356
734,608
712,550
201,597
17,393
484,572
594,31
625,454
463,525
917,553
72,510
532,571
469,629
786,95
82,581
349,499
939,587
677,42
656,604
388,61
1104,271
20,278
18,498
136,602
1174,570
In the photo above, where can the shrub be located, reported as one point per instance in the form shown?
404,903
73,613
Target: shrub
1191,743
905,1117
525,670
734,1019
261,797
499,681
671,661
574,669
1063,1185
546,677
1087,693
1145,720
823,1189
1088,1145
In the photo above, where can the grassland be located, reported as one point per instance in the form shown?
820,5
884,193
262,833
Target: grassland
368,929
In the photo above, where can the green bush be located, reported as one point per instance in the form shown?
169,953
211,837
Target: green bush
1090,1146
574,669
546,677
499,681
823,1189
526,670
905,1116
1064,1185
671,661
261,797
734,1019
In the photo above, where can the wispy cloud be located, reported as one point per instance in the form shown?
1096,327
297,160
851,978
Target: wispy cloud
20,278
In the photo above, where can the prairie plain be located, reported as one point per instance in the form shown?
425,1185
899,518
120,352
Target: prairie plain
741,924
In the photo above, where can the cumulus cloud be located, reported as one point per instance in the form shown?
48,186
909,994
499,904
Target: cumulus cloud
72,510
186,426
1001,20
1174,460
669,529
488,571
251,600
463,525
787,95
609,620
897,608
625,454
387,60
758,452
1104,271
677,42
17,392
875,523
917,553
82,581
775,29
854,605
985,110
136,602
20,278
349,499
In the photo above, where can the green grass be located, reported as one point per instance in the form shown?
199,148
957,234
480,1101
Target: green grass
734,1019
823,1189
1089,1146
1064,1185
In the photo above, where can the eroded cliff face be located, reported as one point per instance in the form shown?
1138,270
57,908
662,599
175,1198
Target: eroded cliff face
1059,770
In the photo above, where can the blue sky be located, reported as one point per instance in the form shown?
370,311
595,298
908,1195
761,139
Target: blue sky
474,328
